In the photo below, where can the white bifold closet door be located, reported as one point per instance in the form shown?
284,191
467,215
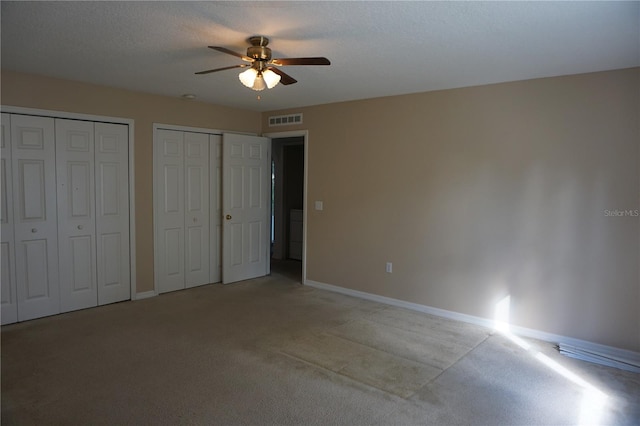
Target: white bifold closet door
65,215
35,224
183,208
215,207
76,214
112,212
93,213
8,297
229,210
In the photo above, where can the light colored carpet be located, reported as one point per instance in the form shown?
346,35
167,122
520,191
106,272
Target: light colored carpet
273,352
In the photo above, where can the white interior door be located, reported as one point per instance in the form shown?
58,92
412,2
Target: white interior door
76,215
169,208
245,193
196,146
112,212
8,304
35,219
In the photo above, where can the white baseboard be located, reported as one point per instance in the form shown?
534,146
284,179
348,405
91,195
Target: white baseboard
575,348
618,358
145,295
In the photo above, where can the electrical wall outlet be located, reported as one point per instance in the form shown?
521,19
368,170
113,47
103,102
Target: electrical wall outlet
389,267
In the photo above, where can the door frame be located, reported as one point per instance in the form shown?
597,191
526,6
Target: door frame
305,136
131,134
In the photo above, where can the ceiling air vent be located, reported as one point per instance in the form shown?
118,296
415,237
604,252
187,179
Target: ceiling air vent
285,120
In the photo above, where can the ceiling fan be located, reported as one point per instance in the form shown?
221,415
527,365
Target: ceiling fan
263,70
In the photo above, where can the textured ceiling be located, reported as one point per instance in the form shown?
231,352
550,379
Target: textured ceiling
376,48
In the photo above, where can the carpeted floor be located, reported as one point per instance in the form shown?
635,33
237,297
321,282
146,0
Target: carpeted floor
270,351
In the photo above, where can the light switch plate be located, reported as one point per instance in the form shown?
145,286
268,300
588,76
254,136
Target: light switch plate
319,205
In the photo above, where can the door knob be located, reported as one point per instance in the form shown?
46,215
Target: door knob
80,226
195,220
34,230
228,217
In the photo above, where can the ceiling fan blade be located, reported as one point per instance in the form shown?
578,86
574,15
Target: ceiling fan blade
301,61
284,77
222,69
231,52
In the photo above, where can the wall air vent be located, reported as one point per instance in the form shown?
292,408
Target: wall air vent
285,120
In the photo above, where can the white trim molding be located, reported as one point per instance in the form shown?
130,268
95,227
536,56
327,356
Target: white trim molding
157,126
575,348
146,295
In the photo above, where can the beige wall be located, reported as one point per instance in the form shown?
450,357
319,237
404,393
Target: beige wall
473,194
32,91
479,193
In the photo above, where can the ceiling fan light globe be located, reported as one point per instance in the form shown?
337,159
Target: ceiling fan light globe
270,78
259,84
248,77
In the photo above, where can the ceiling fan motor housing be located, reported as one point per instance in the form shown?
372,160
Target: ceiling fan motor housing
258,49
259,53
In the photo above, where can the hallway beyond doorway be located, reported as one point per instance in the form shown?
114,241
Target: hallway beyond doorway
291,269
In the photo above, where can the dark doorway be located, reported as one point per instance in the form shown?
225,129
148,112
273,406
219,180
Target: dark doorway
287,204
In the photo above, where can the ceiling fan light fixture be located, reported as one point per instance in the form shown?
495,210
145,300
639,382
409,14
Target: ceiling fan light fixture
248,77
270,78
259,83
258,80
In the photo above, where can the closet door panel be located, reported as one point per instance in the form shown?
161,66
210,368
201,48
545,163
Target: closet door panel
112,212
76,214
8,300
35,216
215,203
9,307
196,208
170,212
